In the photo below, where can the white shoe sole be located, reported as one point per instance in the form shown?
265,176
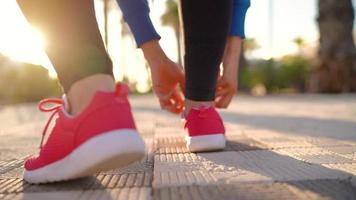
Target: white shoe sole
211,142
104,152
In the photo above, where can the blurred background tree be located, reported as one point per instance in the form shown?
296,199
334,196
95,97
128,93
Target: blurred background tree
332,69
171,18
250,44
22,82
299,41
336,68
106,9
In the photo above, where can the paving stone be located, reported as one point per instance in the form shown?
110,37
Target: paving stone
277,140
346,167
105,194
177,144
240,142
15,153
315,155
119,194
310,156
108,181
166,120
169,131
351,156
143,166
44,195
165,145
353,181
231,167
347,151
328,189
317,189
328,142
284,142
8,165
146,127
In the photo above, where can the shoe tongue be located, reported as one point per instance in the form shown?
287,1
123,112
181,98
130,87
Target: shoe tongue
65,102
65,106
200,108
122,89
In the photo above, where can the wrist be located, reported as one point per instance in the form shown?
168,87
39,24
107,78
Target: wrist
231,64
234,43
153,53
230,72
232,56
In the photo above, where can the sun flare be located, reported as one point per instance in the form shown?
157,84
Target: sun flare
20,41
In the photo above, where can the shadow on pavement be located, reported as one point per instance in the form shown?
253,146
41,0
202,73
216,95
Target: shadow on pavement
308,179
74,189
307,126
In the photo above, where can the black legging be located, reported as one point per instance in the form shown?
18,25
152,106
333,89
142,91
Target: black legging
206,24
76,49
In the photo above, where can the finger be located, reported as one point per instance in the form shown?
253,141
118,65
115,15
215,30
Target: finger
166,105
172,102
219,87
224,101
178,98
163,104
171,105
222,92
222,83
172,108
217,99
177,101
164,99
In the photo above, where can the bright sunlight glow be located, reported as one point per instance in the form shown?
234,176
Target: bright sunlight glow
21,42
18,40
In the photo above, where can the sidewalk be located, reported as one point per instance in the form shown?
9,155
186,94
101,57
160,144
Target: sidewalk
279,147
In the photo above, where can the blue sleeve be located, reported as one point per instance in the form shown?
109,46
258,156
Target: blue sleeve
136,14
238,17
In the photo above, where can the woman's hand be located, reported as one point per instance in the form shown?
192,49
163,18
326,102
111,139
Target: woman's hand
225,90
167,77
226,86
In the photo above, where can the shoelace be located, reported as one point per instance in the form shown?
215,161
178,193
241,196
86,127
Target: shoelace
121,92
202,114
42,107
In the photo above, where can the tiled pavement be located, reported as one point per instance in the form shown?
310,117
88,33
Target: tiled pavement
279,147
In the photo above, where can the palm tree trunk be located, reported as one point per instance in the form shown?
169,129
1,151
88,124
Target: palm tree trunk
106,28
336,68
242,65
179,46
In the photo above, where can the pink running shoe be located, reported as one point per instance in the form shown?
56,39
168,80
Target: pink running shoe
101,138
206,130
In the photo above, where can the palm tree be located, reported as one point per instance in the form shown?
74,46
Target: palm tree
300,43
106,21
336,69
171,18
250,44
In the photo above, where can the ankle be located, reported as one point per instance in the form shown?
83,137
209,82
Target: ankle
82,92
190,104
